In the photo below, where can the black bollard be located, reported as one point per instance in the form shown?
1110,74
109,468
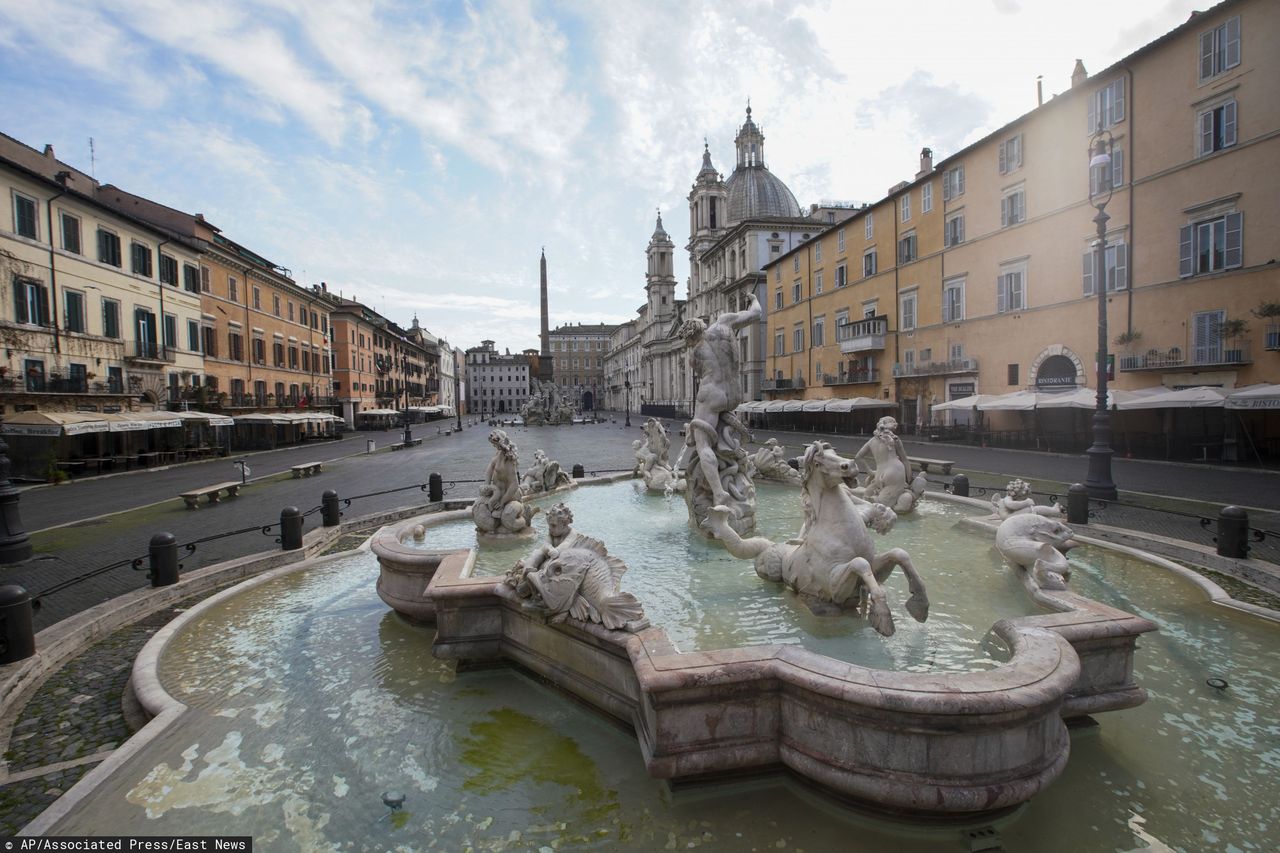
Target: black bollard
960,485
1233,532
290,528
17,632
15,544
164,559
435,488
1078,504
578,472
329,511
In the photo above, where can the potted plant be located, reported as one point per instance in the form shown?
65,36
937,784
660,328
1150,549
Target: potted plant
1229,330
1125,339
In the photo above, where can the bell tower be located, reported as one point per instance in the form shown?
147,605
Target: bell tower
660,278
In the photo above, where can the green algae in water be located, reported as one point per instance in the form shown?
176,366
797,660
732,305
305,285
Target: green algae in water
511,747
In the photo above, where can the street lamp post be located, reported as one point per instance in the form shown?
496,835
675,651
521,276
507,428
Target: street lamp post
1099,482
627,385
404,371
457,397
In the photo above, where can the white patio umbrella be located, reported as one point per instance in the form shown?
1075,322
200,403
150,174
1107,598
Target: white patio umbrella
1199,397
814,406
1017,401
774,406
1087,398
961,404
850,404
793,406
54,423
1255,397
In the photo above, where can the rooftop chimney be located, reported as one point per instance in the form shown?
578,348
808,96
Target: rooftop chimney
926,162
48,152
1039,90
1078,74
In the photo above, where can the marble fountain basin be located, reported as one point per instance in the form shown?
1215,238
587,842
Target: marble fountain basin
974,736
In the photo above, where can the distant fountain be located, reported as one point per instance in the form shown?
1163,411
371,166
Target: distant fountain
546,406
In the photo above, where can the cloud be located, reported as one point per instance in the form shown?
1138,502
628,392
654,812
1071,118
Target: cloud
943,115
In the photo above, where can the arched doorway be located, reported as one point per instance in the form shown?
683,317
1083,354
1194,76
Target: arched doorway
588,401
502,406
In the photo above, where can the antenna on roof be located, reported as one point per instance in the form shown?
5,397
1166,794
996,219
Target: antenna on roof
92,161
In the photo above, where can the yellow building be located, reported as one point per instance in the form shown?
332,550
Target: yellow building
985,264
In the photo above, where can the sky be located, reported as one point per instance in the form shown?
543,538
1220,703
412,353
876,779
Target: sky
418,155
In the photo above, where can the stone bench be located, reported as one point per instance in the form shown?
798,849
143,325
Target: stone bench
214,492
943,464
413,442
306,469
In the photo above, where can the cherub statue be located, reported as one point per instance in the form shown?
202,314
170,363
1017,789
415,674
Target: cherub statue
1017,499
543,475
499,508
888,484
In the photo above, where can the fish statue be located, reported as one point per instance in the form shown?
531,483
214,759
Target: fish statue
582,581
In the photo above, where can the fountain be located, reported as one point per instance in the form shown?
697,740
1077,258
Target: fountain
887,484
546,405
499,511
652,465
770,463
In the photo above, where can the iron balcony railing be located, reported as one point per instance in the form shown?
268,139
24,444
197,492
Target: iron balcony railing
852,377
862,336
1219,354
968,364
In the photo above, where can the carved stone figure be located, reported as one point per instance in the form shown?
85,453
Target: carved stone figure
543,475
652,464
546,405
575,576
834,558
770,463
888,483
1017,499
499,509
714,462
1038,545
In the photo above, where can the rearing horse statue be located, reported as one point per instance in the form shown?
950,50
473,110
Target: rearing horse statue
834,558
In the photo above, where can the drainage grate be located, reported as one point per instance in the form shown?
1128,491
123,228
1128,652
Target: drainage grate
982,838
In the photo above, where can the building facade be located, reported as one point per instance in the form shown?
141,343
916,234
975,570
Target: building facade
577,354
497,383
981,275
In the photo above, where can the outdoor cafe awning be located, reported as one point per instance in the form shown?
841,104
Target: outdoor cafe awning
377,413
1199,397
54,423
1018,401
263,418
1255,397
205,417
853,404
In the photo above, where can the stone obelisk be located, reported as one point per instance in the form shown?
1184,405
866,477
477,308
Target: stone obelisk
544,358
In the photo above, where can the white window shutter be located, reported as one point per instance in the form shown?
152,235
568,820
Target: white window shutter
946,187
1233,43
1233,256
1206,132
960,180
1206,55
1117,167
1186,252
1002,299
1017,151
1004,158
1004,211
1117,101
1228,124
1122,266
1020,209
1093,114
1090,258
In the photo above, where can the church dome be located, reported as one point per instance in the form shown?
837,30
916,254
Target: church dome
753,190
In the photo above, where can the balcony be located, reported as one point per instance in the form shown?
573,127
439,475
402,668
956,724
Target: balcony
852,377
150,351
781,384
1230,354
935,368
862,336
41,385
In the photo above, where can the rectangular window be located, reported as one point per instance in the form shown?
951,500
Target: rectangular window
795,292
780,343
1117,267
168,270
277,354
797,339
819,331
1212,245
869,263
840,240
208,341
193,336
842,275
110,318
235,346
869,226
290,306
1013,208
953,301
144,328
204,279
275,304
293,358
1011,290
170,331
795,264
907,311
70,233
233,289
1217,128
259,351
906,207
1013,374
257,298
817,282
1011,154
817,252
108,248
73,311
24,217
31,302
1106,106
777,298
926,197
907,248
1220,48
953,230
140,259
190,278
953,183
